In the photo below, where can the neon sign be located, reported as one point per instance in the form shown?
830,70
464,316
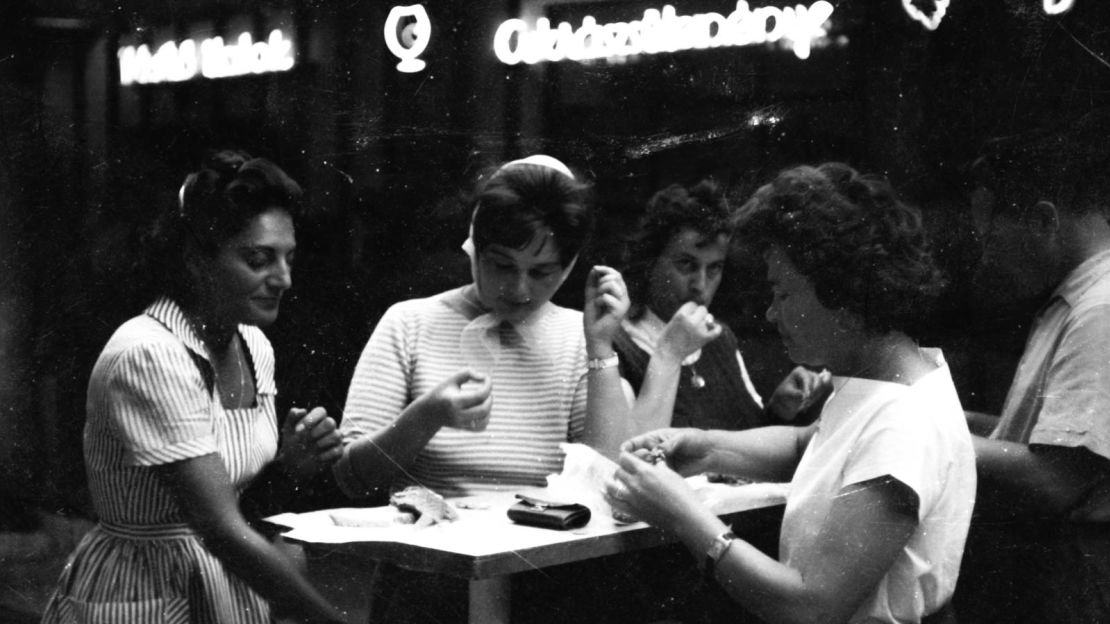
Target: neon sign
928,21
1056,7
1051,7
662,31
212,58
408,42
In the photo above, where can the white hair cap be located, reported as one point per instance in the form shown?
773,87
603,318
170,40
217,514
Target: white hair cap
541,160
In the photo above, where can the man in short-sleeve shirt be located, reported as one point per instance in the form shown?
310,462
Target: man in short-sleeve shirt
1039,550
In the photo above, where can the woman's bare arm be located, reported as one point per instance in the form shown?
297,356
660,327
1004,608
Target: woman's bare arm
205,496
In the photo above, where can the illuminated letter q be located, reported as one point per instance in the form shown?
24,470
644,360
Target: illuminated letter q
408,41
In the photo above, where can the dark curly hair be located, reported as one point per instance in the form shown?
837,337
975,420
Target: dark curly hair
215,203
520,199
861,247
701,207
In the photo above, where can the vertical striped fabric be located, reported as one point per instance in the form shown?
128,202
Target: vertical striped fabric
148,404
539,393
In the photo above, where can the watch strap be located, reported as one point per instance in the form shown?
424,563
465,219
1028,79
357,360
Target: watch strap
716,550
600,363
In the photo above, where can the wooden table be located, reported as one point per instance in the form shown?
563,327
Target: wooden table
486,548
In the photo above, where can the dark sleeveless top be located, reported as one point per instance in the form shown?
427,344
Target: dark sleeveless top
723,403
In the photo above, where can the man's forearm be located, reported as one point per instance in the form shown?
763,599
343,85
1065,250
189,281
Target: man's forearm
1019,483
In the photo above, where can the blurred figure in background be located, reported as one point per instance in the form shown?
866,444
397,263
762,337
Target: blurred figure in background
181,419
670,346
882,485
1039,549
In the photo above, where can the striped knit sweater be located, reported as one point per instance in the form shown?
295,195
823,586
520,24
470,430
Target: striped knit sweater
539,392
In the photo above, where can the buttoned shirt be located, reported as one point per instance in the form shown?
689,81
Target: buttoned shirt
1060,395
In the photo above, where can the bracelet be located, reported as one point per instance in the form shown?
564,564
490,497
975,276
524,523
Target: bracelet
600,363
716,550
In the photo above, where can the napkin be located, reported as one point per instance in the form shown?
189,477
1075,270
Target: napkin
583,478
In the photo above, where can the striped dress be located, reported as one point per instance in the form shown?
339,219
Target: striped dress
539,391
150,403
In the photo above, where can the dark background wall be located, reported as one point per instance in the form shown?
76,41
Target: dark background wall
386,157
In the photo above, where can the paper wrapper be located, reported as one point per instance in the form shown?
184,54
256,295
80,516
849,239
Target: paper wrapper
583,478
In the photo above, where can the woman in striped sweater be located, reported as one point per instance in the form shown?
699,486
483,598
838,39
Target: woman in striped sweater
473,389
181,419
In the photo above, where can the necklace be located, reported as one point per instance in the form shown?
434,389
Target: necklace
696,380
237,394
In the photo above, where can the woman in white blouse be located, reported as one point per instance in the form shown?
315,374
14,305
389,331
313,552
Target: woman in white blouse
883,483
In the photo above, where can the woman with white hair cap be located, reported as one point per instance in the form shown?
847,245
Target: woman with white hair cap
472,390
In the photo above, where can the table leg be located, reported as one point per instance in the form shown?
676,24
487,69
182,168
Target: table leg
490,600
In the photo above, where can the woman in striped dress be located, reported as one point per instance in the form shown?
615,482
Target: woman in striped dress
180,419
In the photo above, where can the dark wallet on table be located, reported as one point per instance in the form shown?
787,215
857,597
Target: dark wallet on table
548,514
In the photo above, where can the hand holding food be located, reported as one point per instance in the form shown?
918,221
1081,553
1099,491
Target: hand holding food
691,328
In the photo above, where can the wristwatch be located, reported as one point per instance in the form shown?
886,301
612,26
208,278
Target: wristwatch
716,550
600,363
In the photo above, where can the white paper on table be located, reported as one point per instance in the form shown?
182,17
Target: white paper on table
484,527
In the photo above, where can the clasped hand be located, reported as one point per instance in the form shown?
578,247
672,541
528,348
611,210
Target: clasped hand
309,442
462,401
799,390
690,328
606,303
657,493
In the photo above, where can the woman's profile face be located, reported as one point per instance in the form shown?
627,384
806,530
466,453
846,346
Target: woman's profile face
809,330
251,271
514,283
689,269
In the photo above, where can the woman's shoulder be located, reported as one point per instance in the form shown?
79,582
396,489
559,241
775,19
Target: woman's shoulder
141,332
139,344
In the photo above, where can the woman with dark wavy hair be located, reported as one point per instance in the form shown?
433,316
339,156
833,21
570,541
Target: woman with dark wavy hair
180,419
882,484
673,352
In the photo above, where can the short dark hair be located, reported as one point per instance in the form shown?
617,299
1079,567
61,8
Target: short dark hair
520,199
1067,164
862,248
214,204
701,207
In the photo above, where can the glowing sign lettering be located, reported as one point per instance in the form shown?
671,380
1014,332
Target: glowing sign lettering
1055,7
177,62
928,21
408,42
662,31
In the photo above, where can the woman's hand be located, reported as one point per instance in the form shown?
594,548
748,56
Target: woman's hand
801,389
309,443
462,401
686,451
650,492
606,303
691,328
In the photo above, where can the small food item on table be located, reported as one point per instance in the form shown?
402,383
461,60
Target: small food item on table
426,507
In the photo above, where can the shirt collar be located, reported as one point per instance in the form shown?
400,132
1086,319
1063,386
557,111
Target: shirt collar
167,312
1090,272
